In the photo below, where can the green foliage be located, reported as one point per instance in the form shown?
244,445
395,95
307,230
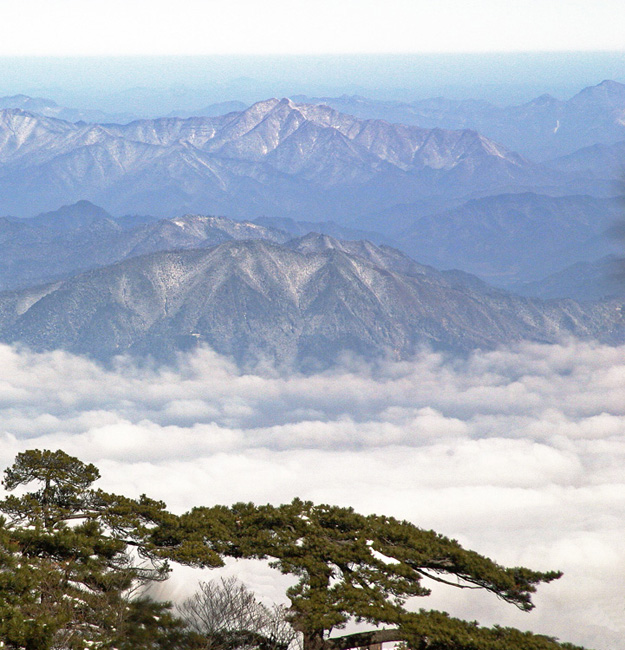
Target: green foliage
350,565
63,483
49,598
19,585
150,625
71,555
63,477
439,631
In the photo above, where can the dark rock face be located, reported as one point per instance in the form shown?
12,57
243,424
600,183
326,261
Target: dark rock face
303,303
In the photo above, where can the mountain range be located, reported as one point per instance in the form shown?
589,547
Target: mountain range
49,108
512,241
326,214
510,238
541,129
82,236
78,237
276,158
301,303
602,279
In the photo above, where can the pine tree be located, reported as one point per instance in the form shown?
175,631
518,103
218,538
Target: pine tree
71,555
364,568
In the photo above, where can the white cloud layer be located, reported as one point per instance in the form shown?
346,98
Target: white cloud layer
517,453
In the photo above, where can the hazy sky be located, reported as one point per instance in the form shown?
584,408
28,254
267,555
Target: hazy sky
75,27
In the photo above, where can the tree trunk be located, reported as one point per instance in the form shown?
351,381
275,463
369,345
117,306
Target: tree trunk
314,641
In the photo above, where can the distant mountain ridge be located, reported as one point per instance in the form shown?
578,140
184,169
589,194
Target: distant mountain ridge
600,160
602,279
541,129
277,158
512,237
49,108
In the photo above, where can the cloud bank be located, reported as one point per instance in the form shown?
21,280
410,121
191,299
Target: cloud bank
518,453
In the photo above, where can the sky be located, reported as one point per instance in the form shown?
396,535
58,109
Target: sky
517,453
197,27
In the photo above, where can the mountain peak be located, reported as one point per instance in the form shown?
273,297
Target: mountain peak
11,100
544,100
607,91
71,217
609,84
272,105
315,242
12,112
263,106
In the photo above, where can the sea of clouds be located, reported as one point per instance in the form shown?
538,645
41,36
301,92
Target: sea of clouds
517,453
